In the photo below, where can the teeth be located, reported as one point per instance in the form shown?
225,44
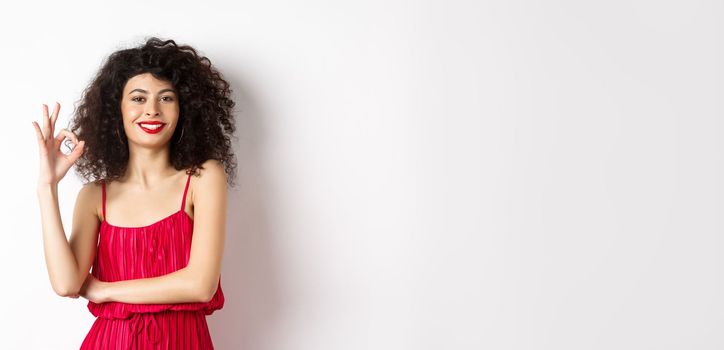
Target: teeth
150,126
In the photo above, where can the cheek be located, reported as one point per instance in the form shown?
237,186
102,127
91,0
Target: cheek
171,108
171,112
131,113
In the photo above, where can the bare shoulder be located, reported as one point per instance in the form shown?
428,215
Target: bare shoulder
90,199
212,178
213,167
212,174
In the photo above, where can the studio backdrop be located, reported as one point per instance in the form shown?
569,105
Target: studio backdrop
443,175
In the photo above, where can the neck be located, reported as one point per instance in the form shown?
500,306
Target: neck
148,167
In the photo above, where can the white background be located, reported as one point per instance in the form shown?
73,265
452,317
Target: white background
417,174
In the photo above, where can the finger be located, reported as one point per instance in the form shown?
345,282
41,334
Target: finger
56,110
38,133
54,116
77,148
42,144
63,133
77,152
46,122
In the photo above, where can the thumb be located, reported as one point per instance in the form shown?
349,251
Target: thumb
77,151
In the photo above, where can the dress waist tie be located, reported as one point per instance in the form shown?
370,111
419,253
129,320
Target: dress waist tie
139,323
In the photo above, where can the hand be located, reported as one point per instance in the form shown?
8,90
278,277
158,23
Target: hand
54,164
94,290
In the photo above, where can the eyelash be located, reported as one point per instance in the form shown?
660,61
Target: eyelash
138,97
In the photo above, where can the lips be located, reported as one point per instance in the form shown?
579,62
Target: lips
151,127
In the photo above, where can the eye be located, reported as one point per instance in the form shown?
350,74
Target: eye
167,98
136,98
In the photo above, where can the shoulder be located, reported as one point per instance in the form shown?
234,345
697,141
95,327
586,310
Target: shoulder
209,179
213,166
211,171
90,198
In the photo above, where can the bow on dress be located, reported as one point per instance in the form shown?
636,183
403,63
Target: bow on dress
138,324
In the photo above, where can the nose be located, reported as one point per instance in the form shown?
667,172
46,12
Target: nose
151,110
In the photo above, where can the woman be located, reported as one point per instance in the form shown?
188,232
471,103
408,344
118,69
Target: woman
152,137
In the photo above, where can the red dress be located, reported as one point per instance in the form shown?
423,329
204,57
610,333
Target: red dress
126,253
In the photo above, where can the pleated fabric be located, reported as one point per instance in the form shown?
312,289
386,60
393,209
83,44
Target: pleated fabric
167,330
126,253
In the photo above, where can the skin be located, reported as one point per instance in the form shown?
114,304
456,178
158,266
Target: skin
139,198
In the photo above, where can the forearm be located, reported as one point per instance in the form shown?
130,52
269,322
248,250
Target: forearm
59,259
180,286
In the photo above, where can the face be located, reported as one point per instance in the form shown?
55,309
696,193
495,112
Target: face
150,111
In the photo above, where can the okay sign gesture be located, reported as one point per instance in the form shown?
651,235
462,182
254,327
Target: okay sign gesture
54,164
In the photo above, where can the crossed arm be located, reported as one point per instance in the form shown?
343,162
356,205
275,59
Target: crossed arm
183,286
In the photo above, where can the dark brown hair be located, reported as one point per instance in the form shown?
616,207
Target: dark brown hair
206,122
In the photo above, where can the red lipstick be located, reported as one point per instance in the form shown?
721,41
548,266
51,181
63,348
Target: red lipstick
153,129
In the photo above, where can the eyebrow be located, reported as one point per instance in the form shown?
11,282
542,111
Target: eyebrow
145,92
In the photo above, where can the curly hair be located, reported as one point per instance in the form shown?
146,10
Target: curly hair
206,122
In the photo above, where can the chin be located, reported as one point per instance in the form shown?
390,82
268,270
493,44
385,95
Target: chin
150,144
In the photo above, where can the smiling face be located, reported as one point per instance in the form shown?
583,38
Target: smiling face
150,110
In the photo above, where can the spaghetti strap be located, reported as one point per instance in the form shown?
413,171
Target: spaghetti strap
183,201
103,187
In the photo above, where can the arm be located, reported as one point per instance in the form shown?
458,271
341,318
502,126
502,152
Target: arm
181,286
68,262
197,282
59,259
